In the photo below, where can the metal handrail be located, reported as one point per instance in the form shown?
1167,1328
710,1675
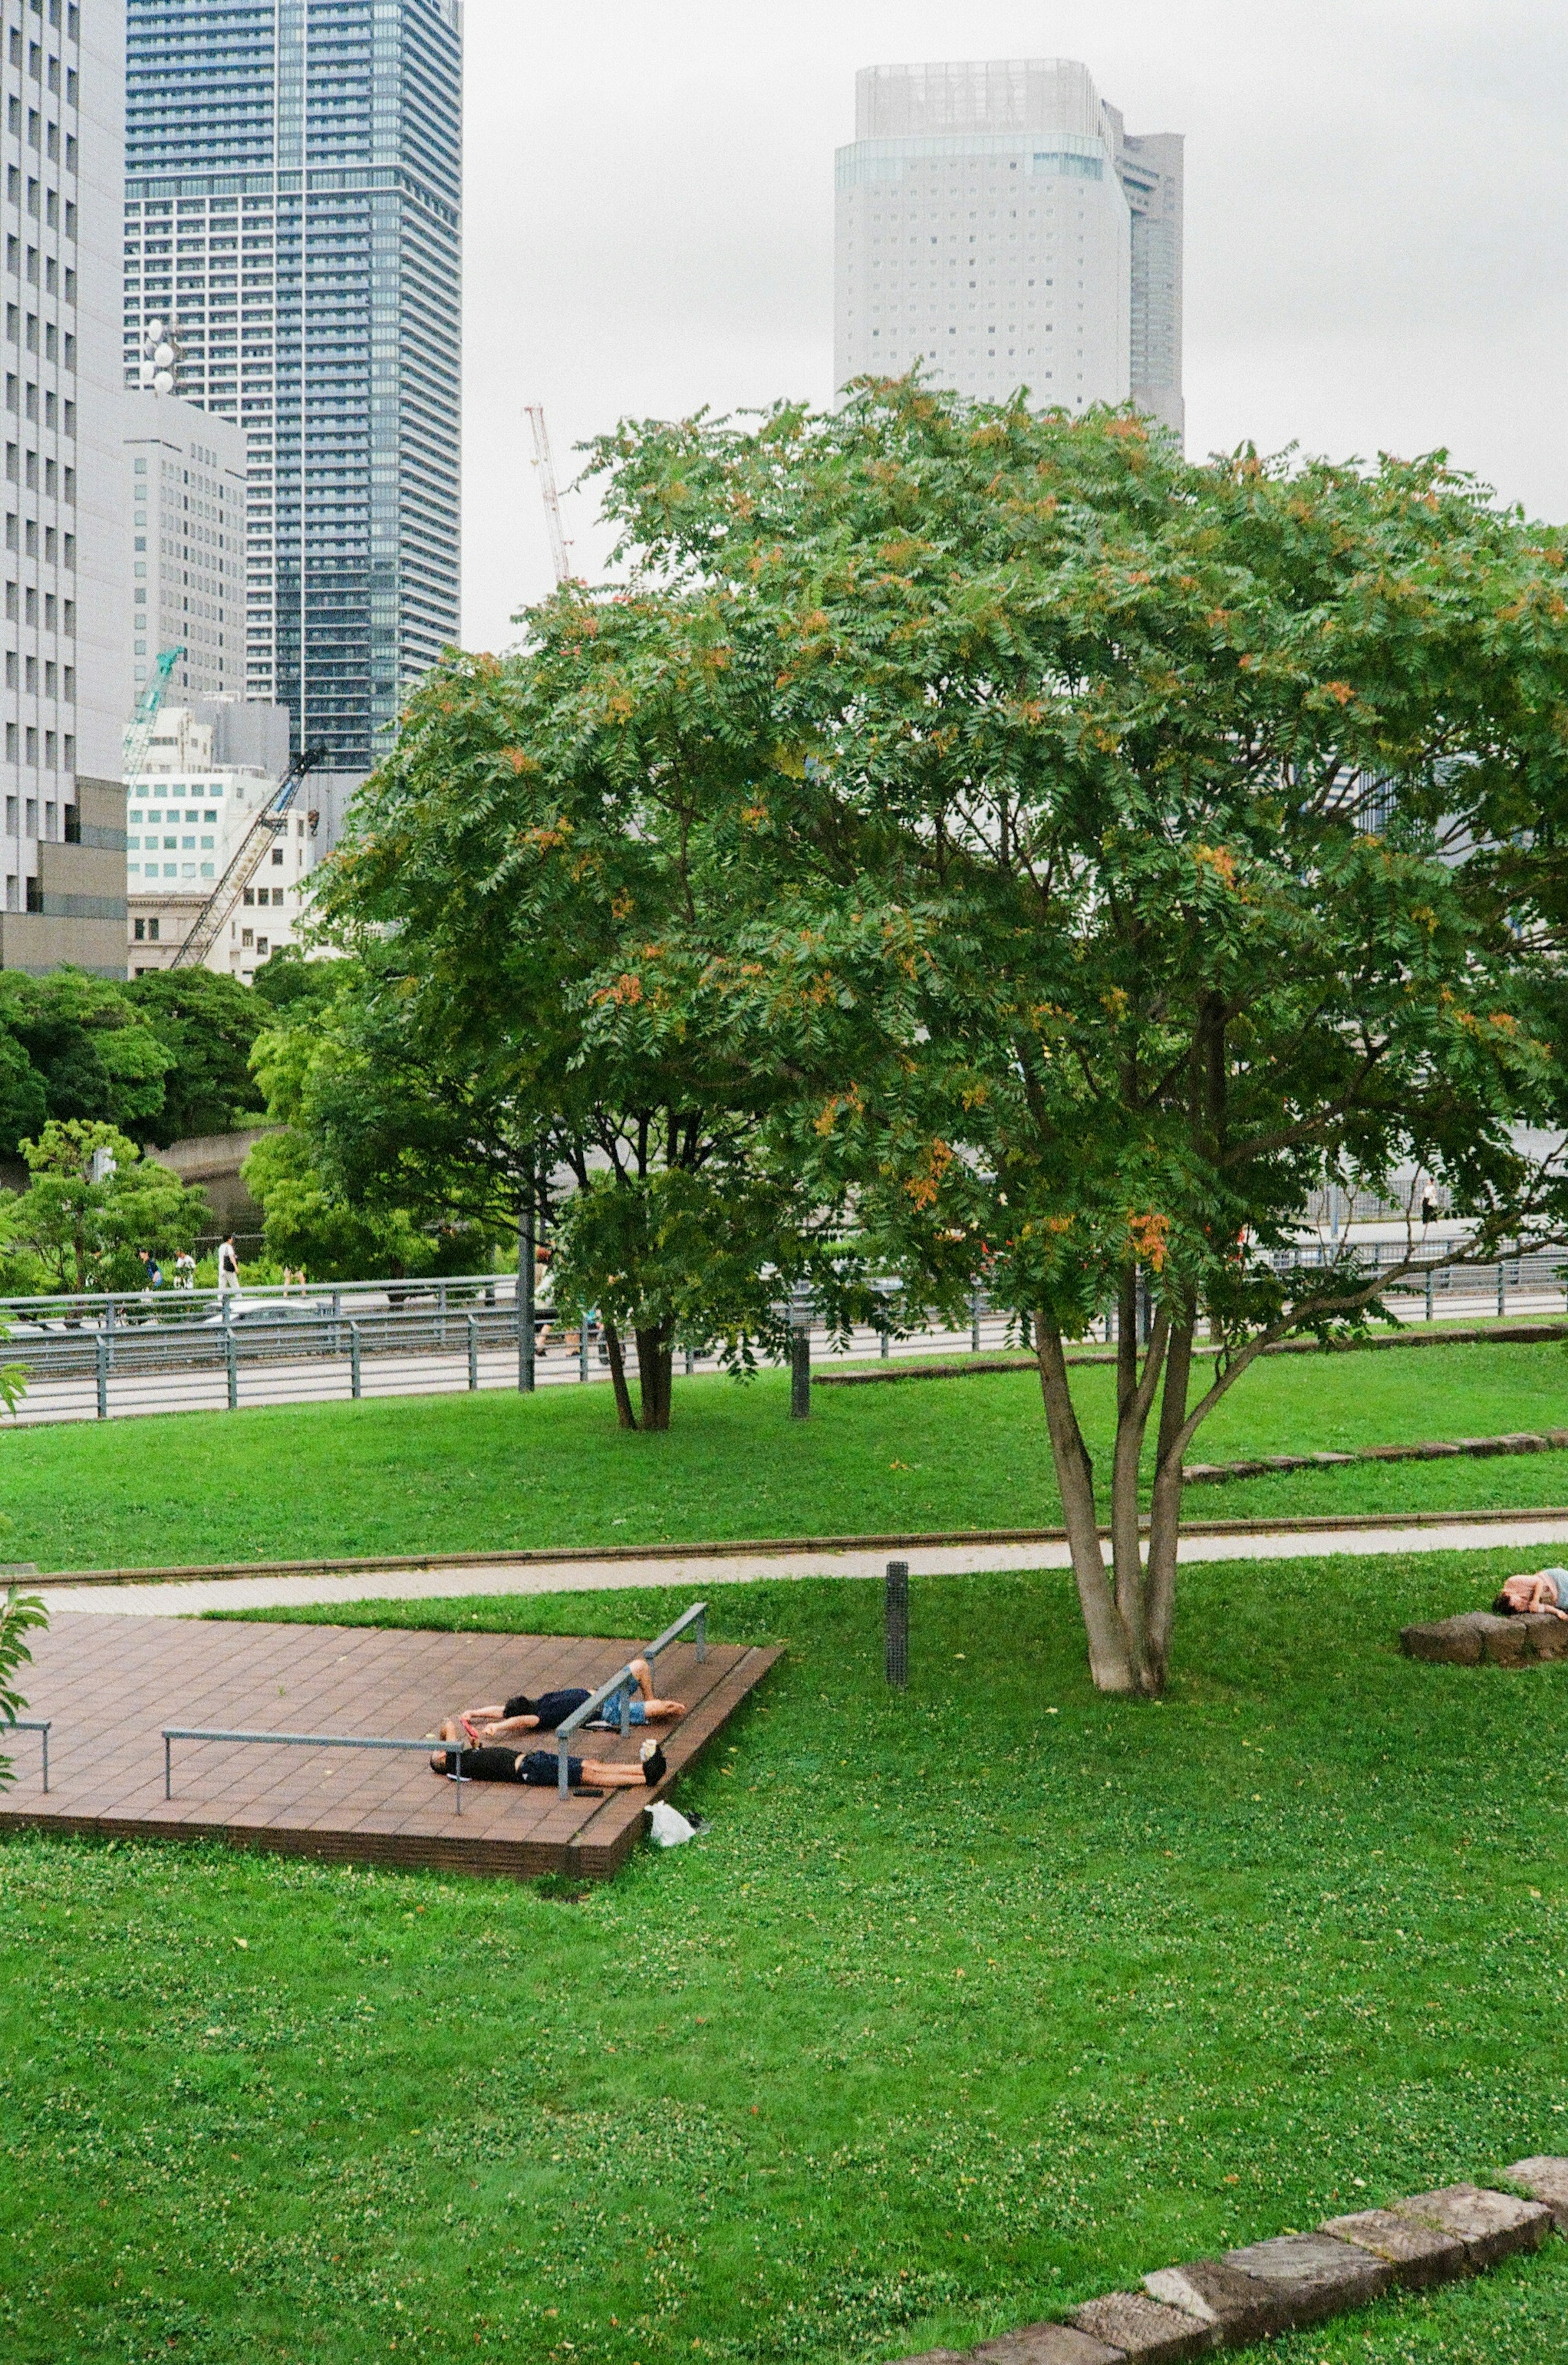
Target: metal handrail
696,1615
173,1732
32,1724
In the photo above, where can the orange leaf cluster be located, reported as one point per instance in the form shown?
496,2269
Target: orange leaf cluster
923,1188
1150,1236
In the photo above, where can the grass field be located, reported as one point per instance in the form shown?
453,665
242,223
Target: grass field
970,2003
487,1472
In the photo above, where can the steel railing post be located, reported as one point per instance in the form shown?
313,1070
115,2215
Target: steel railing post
974,1321
109,1326
353,1358
102,1376
1502,1289
46,1760
168,1746
1428,1293
231,1363
473,1350
582,1348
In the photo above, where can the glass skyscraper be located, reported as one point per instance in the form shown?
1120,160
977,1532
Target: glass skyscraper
293,191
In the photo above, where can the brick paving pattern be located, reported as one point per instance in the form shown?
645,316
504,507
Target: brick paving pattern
112,1682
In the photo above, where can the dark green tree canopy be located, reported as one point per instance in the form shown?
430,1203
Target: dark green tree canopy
208,1024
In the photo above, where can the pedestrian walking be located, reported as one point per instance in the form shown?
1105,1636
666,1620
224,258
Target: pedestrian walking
184,1269
228,1266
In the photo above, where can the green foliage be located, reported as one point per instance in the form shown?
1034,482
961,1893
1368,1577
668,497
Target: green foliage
75,1047
290,978
207,1024
159,1058
367,1176
1275,1951
19,1614
68,1231
1059,856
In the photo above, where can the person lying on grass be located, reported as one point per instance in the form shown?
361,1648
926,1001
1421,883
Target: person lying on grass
1546,1590
551,1709
540,1768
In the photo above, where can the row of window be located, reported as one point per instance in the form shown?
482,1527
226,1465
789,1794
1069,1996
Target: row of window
58,749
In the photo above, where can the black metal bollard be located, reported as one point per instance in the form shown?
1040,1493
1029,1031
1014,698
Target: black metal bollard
800,1373
898,1622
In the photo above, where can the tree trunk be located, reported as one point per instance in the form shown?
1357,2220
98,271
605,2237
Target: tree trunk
1110,1658
1165,1506
624,1412
655,1368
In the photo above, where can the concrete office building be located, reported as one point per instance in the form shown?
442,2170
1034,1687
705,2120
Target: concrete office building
187,487
292,213
209,770
997,227
65,558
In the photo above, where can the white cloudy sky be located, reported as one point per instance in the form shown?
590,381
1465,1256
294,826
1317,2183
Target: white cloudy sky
1377,217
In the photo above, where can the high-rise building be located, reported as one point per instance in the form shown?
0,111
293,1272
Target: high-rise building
292,218
998,228
186,491
65,556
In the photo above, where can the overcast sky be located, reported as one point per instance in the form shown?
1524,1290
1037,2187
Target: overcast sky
1377,203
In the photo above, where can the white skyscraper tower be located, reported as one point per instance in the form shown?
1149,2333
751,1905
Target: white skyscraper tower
997,227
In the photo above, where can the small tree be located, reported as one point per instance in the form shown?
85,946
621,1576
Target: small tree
79,1229
1117,851
18,1615
543,829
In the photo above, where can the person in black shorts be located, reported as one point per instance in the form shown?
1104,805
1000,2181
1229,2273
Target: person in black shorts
540,1768
551,1709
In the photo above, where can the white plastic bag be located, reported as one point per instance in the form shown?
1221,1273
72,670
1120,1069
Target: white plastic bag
670,1828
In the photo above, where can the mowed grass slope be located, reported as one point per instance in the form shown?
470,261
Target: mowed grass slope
970,2003
490,1472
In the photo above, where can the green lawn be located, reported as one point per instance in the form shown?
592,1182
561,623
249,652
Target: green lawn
969,2005
487,1471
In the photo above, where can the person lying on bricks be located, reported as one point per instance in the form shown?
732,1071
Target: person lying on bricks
551,1709
1546,1590
540,1768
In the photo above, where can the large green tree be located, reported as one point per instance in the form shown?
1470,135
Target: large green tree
1115,850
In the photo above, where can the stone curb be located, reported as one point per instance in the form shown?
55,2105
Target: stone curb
1518,1440
1478,1637
1292,2280
1501,1334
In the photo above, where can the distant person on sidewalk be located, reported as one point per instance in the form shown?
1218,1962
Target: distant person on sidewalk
151,1271
184,1269
539,1769
228,1266
551,1709
1528,1597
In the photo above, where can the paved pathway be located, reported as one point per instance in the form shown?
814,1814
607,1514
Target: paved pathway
1523,1533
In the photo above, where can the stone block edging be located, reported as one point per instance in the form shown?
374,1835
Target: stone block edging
1294,2279
1480,1637
1518,1440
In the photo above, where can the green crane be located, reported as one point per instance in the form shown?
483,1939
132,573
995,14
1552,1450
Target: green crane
139,730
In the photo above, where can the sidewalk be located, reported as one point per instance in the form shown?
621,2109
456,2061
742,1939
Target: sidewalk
1521,1531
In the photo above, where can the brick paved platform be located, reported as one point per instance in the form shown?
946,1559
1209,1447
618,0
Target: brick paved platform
112,1683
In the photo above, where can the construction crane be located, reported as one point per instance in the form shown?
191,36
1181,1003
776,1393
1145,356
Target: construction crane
245,862
139,730
544,463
